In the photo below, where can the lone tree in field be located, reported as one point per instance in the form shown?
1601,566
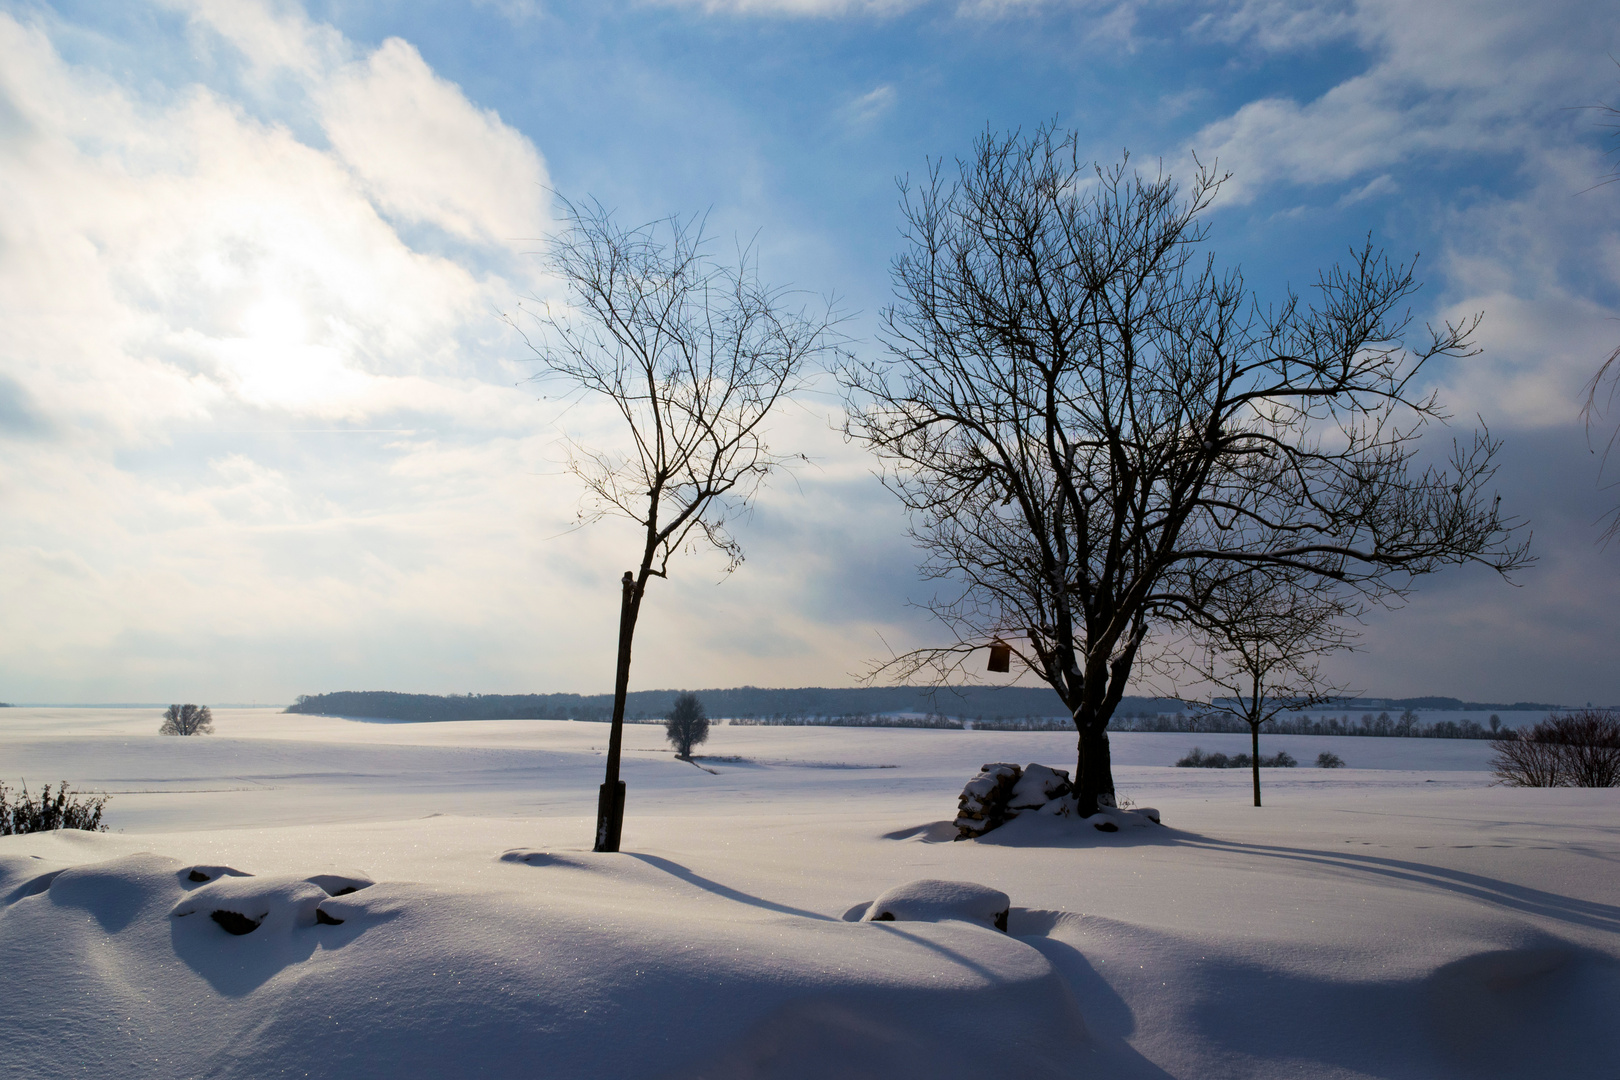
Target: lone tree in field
1095,430
1262,638
687,725
693,354
187,720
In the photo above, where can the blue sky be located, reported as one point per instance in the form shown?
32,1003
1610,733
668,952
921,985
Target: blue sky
263,431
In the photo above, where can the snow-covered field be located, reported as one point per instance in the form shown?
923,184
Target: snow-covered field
1397,918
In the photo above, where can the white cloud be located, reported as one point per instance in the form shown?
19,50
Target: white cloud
191,297
871,106
1455,76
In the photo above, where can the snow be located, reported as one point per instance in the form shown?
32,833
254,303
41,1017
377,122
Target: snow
1401,917
930,900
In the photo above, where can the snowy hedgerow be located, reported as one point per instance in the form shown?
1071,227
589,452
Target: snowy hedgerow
187,720
65,810
687,725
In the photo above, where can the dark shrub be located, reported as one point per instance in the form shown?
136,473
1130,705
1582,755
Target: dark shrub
1576,749
1329,760
64,810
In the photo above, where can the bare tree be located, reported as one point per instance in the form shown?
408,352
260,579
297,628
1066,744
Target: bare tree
187,720
687,725
1262,641
693,354
1576,749
1094,430
1598,401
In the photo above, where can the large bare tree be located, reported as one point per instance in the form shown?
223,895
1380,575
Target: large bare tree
693,353
1095,430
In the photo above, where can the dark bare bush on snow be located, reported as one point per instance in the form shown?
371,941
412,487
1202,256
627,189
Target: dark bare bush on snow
1576,749
66,809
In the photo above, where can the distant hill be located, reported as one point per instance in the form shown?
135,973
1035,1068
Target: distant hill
972,702
1448,704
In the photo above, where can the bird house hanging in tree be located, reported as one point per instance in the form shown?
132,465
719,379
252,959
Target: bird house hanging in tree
1000,656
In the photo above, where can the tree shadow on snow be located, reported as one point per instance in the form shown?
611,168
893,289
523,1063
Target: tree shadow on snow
1042,831
1543,1009
1520,898
1108,1018
726,891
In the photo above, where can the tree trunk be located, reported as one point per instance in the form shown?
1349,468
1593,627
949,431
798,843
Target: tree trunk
1254,738
1094,771
610,803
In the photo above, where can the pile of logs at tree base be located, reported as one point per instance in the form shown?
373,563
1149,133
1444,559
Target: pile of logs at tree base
1002,791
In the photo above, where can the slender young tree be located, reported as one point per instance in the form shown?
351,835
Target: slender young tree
1598,399
1262,641
1094,429
693,354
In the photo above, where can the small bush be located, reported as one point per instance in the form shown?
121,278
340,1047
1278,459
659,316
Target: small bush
64,810
687,725
187,720
1329,760
1577,749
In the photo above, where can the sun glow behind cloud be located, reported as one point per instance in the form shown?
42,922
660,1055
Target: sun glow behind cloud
261,422
182,281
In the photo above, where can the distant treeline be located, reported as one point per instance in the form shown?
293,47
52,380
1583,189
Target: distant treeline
1407,725
985,705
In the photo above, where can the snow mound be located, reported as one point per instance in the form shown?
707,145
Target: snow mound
133,977
341,884
196,875
25,875
932,900
241,905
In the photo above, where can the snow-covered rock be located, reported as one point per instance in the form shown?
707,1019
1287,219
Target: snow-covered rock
1038,785
241,905
931,900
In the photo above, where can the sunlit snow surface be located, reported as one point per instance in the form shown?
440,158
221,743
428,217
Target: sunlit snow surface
1397,918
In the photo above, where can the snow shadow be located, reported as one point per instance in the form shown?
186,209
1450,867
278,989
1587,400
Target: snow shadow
1108,1017
117,891
531,857
239,931
25,875
1494,891
1044,831
1544,1009
934,832
725,891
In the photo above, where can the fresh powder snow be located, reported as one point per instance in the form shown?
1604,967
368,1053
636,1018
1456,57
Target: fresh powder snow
312,896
